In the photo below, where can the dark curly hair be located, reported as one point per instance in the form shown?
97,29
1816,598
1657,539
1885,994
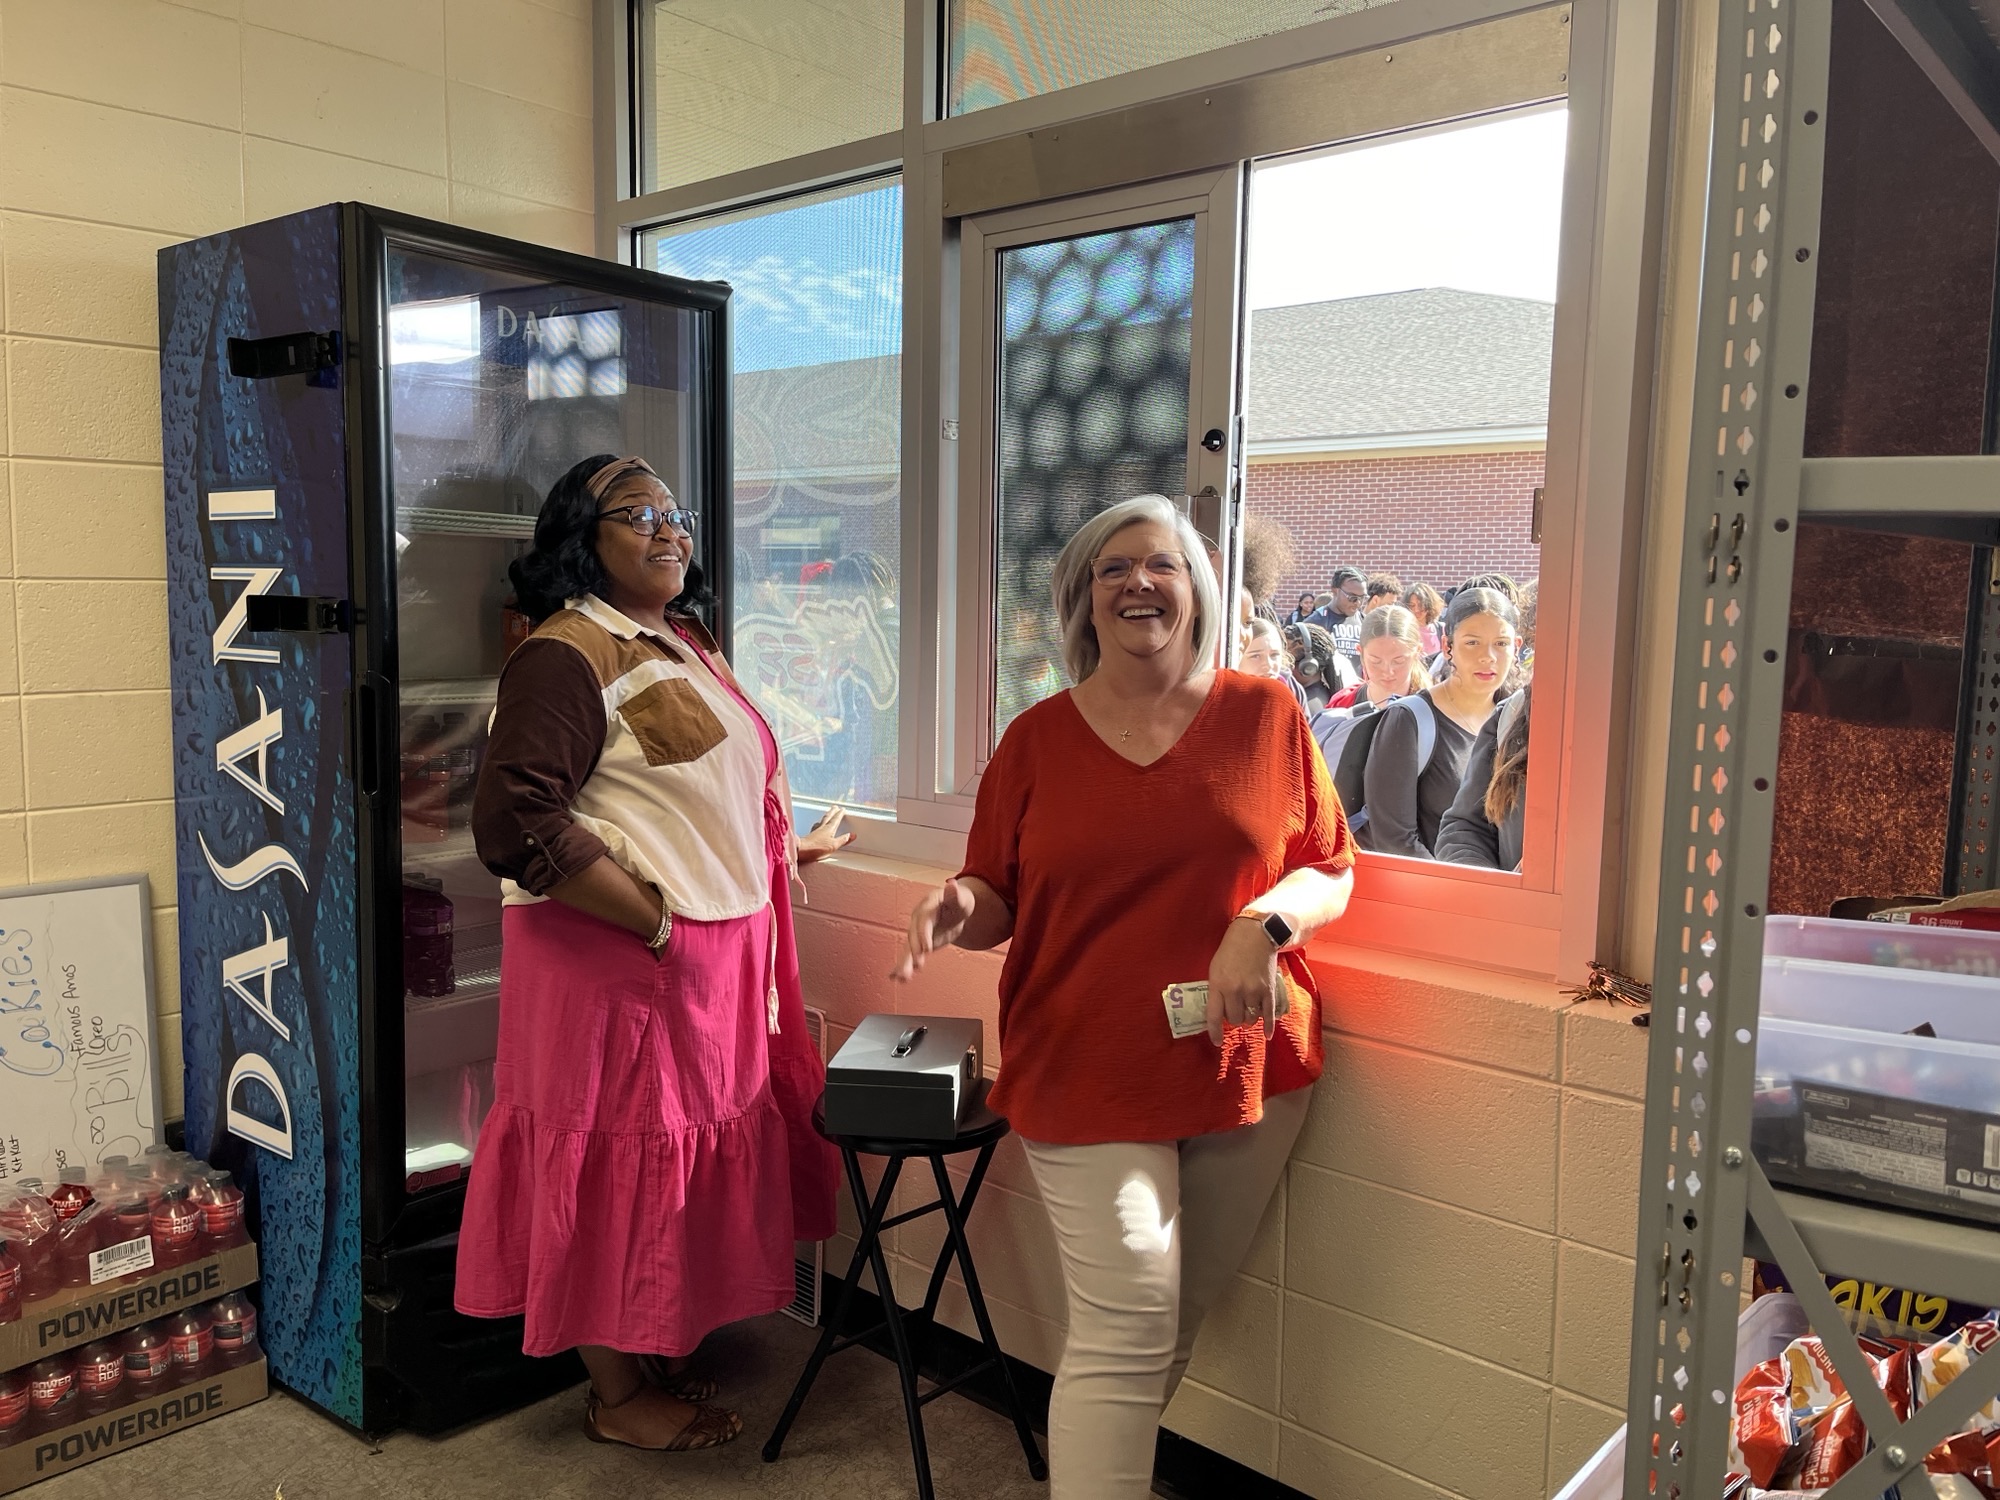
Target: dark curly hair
563,563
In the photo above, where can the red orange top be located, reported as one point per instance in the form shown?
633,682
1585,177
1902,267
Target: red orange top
1123,879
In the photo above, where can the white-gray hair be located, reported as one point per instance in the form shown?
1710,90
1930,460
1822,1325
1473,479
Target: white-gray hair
1071,584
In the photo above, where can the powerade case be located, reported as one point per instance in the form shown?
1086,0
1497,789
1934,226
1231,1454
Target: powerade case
904,1077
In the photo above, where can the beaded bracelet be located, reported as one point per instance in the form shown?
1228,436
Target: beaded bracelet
666,929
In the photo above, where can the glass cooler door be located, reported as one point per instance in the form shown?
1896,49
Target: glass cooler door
498,381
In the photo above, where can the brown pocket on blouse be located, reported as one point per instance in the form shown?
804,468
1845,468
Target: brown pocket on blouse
671,722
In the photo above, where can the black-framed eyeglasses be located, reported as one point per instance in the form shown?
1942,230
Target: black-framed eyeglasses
1353,598
648,519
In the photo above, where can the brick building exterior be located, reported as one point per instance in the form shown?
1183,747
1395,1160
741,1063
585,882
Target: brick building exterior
1437,517
1401,433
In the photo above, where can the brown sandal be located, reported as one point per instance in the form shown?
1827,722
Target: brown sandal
682,1385
709,1427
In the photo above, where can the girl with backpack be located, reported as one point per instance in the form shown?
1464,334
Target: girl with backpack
1483,827
1392,664
1417,755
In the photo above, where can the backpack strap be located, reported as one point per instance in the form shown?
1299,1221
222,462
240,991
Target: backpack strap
1427,728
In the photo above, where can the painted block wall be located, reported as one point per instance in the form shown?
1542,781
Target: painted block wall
1436,518
1437,1306
130,124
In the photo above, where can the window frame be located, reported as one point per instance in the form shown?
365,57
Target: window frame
1566,906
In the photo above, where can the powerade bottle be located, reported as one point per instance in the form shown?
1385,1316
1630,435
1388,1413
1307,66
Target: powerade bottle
28,1222
191,1342
100,1375
220,1200
235,1323
10,1286
52,1391
13,1406
175,1227
148,1361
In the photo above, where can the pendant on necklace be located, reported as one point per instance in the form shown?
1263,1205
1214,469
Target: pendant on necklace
1124,734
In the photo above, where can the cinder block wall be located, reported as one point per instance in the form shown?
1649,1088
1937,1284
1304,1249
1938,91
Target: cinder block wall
126,125
1437,1306
1436,518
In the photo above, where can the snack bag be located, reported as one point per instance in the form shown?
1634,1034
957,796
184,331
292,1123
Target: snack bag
1761,1434
1943,1362
1838,1438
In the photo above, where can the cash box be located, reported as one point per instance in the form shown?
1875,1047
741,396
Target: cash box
904,1077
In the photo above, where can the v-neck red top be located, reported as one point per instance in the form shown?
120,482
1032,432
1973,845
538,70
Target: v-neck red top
1123,879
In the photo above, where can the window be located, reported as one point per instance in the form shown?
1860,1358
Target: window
1402,296
730,84
817,329
1370,355
1003,50
1093,406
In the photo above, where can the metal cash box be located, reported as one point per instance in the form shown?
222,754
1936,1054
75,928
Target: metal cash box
904,1077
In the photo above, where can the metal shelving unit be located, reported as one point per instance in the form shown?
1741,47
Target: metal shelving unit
1703,1197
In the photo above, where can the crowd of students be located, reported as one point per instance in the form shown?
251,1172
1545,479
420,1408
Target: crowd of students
1418,701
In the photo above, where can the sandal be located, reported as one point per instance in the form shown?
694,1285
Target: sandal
709,1427
683,1385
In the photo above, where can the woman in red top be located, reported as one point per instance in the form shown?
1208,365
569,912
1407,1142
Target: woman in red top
1160,823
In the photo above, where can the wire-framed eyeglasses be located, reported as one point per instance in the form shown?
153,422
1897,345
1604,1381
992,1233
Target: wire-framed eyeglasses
648,519
1161,567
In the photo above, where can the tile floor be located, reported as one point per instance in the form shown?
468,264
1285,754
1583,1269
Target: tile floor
848,1444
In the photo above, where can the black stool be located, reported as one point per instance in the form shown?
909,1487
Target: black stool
981,1131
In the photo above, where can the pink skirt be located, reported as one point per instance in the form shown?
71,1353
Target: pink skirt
634,1185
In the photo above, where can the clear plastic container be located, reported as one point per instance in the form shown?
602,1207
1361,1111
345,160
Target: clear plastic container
149,1362
234,1320
100,1375
1850,1101
1887,945
13,1405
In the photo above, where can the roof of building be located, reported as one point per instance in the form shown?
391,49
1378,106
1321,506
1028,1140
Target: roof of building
1402,363
1398,366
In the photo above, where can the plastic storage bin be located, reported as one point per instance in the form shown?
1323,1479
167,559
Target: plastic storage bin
1849,1101
1767,1325
1889,945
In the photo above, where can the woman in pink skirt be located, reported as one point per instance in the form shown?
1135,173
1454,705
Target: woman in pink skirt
650,1158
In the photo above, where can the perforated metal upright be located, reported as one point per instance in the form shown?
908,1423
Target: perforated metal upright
1703,1197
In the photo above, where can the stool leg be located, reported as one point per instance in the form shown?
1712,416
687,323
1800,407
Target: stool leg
906,1366
871,1215
943,1266
955,1229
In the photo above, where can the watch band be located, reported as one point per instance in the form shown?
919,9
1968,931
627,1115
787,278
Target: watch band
1274,925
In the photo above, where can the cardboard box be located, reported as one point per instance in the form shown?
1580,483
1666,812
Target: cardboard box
77,1315
89,1438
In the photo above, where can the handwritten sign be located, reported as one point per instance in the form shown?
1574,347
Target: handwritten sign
79,1078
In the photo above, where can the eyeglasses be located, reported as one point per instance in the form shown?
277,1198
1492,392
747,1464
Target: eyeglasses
1353,598
648,519
1161,567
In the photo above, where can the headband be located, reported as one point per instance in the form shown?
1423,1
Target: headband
600,483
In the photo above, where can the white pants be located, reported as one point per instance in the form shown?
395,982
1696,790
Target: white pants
1150,1233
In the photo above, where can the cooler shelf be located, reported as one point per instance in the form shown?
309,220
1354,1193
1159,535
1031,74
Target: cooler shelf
419,520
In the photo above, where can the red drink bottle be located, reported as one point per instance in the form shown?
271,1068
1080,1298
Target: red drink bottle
162,1164
110,1175
52,1390
191,1342
10,1286
28,1223
176,1227
74,1196
221,1204
100,1375
235,1324
13,1405
148,1360
75,1240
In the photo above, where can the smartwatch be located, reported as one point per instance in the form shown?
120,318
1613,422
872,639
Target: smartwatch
1276,928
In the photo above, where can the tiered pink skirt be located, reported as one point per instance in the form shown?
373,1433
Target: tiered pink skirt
650,1158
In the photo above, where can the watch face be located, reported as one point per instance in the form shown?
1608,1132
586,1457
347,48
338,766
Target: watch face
1277,929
